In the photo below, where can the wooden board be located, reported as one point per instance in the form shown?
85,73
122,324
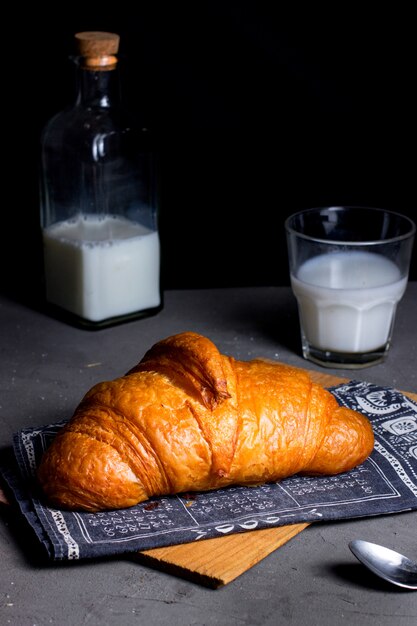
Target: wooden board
216,562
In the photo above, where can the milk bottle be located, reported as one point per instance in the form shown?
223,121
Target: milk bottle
99,199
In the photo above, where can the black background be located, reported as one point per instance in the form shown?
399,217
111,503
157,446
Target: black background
258,111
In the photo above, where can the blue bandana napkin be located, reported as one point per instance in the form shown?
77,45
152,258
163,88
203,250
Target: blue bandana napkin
385,483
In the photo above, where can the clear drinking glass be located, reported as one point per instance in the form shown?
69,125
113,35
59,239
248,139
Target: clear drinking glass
349,269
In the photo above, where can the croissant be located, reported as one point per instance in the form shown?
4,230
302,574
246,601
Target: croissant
188,418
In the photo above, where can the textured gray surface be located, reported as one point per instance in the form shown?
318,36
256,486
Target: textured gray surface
46,367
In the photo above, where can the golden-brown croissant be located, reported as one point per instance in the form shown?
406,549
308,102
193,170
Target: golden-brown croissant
188,418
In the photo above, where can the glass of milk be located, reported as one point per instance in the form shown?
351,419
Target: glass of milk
349,269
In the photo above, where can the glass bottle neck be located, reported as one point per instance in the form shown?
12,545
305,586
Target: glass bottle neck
98,88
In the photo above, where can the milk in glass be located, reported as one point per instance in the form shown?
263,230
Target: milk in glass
347,300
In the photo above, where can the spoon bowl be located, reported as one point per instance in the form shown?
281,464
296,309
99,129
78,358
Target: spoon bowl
388,564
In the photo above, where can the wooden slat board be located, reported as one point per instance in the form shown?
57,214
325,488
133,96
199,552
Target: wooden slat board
216,562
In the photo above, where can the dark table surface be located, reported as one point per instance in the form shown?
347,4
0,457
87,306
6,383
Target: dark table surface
47,366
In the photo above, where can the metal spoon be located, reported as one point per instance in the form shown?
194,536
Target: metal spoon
387,564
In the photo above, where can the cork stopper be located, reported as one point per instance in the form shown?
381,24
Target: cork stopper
97,49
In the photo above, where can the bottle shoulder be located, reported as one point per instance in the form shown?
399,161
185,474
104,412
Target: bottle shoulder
80,118
84,126
81,129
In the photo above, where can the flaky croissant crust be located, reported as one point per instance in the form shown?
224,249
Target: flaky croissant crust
188,418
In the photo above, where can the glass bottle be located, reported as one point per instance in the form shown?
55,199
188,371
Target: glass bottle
99,199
